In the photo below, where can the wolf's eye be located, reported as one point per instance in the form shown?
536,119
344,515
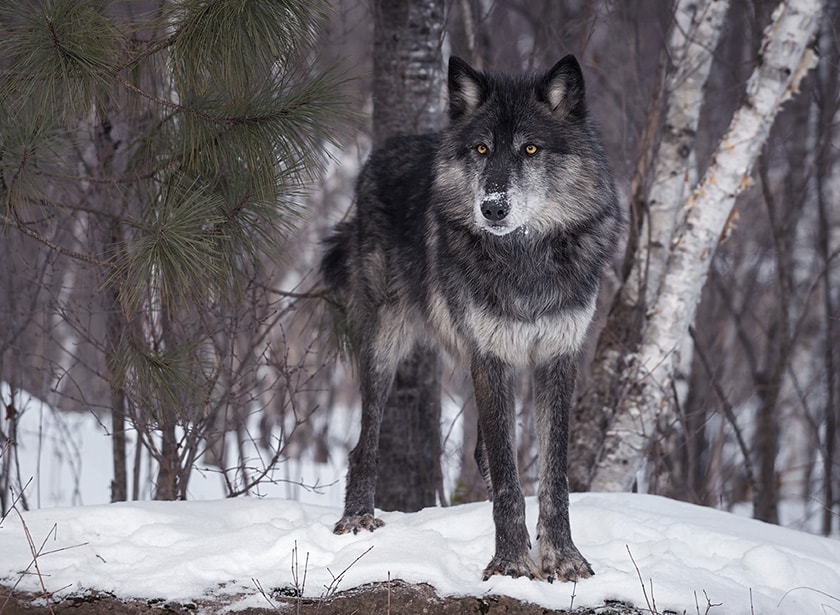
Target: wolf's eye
530,149
481,149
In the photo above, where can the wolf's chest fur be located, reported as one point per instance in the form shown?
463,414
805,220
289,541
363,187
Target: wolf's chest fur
509,299
473,328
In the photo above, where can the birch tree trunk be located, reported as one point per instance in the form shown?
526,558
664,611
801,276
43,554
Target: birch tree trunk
691,44
784,59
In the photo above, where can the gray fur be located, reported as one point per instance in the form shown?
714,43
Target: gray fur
488,239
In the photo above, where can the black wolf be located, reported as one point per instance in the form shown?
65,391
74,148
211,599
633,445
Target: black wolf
488,238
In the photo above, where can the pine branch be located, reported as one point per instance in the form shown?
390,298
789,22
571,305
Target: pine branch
91,260
223,120
150,50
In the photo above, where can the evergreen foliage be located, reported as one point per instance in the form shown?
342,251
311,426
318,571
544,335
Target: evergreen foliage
191,129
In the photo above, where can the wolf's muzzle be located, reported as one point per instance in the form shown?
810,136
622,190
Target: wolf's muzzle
495,207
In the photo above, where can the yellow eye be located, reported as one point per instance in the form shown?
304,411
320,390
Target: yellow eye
481,149
530,149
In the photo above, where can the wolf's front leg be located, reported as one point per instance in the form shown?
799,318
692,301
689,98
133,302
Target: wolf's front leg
559,558
376,382
493,384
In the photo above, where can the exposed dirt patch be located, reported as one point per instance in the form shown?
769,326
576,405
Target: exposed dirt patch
395,598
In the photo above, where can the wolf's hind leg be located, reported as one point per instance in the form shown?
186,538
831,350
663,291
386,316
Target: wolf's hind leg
481,461
559,558
376,378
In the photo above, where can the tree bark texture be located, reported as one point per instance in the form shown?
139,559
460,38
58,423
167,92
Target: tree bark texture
828,103
784,60
407,65
691,44
407,99
116,329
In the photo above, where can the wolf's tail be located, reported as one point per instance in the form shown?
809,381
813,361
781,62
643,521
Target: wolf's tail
335,266
335,270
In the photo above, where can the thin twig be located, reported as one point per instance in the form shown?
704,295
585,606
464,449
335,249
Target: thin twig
259,587
15,498
710,606
641,581
793,589
336,579
300,585
652,596
149,50
92,260
35,555
728,410
222,120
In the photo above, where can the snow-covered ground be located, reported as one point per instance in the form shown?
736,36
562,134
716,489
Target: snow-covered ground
186,550
685,556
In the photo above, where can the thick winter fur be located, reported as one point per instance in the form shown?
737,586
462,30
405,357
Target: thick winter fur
488,238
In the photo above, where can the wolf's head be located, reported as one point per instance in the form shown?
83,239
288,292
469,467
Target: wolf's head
520,153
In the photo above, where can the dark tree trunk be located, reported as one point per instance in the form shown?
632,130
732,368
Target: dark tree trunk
766,444
111,162
407,63
409,439
165,414
769,382
119,485
407,99
116,324
166,487
828,95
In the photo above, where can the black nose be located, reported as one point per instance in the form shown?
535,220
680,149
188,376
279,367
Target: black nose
494,209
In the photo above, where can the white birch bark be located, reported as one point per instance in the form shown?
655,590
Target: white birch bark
692,42
784,60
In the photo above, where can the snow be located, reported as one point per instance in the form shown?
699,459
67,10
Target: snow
186,550
227,549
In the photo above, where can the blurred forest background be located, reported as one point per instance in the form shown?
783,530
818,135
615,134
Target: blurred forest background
168,169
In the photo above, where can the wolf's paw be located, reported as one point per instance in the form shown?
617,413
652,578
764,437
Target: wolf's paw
564,564
356,523
521,566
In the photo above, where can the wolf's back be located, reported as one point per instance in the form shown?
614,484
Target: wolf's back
393,193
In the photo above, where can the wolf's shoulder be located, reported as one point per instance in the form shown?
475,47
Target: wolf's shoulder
401,162
398,173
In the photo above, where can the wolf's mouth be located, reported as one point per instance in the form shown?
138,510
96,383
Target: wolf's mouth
504,229
497,229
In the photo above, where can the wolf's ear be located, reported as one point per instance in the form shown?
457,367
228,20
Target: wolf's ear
562,88
466,88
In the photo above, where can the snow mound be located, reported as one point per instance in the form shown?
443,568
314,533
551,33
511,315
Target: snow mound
685,555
